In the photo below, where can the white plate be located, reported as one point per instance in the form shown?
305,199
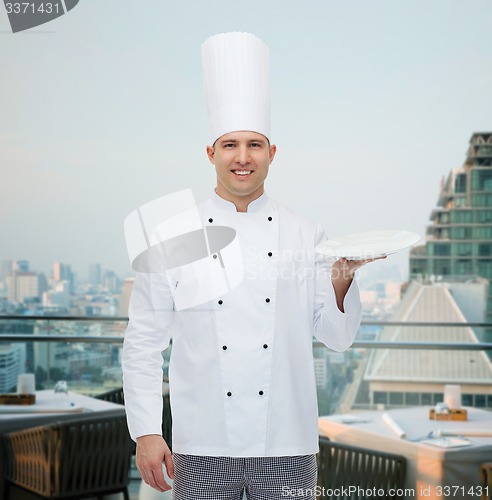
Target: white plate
369,245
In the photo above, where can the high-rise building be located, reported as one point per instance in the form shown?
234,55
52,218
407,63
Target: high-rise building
21,266
95,274
126,293
12,361
111,282
58,297
24,286
459,238
320,367
6,269
63,272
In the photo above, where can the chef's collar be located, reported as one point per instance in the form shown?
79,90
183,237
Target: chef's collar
257,205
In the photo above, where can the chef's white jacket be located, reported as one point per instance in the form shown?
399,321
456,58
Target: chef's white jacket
241,371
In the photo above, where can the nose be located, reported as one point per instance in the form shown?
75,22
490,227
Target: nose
242,155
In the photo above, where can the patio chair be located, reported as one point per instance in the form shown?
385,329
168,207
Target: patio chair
81,457
341,465
113,396
486,480
167,421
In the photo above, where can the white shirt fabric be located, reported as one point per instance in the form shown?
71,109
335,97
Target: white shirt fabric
241,372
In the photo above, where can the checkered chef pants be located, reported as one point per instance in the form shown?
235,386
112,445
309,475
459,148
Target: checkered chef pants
226,478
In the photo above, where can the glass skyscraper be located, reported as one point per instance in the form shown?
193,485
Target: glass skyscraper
459,239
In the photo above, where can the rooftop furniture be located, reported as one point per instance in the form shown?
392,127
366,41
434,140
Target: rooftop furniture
345,466
486,480
113,396
432,463
167,421
88,455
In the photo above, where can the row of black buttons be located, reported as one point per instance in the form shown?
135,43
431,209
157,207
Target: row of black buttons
265,346
259,392
215,255
211,220
220,301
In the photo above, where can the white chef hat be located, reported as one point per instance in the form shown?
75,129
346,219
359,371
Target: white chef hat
236,73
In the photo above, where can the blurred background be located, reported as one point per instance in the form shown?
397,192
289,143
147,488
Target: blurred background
382,117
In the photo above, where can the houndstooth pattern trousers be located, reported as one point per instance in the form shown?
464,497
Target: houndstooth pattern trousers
226,478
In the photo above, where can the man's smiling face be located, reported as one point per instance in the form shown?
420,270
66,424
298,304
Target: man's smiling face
241,160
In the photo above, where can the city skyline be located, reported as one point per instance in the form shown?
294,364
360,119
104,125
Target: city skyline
372,106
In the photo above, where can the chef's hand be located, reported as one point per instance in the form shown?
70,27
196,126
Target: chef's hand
152,450
342,273
344,269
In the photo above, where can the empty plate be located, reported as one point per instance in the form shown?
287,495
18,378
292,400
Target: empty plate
369,245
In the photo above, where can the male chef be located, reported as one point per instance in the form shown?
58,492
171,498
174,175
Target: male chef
242,384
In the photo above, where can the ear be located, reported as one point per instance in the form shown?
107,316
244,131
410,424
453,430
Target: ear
211,154
273,150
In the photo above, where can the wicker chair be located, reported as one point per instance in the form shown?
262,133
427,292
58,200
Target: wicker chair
486,480
341,465
167,421
113,396
76,458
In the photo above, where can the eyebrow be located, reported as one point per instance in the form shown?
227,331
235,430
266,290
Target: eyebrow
235,141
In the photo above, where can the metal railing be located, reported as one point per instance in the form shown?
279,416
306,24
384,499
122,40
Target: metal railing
113,339
66,348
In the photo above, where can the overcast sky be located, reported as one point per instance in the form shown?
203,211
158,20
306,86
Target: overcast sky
103,110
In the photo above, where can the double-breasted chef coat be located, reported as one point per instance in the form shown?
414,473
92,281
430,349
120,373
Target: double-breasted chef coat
241,372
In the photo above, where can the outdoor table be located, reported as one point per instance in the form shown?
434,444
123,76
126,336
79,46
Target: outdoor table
432,471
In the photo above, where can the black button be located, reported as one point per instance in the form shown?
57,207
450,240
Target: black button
215,256
267,299
220,302
224,347
210,220
265,346
269,218
229,393
261,393
270,254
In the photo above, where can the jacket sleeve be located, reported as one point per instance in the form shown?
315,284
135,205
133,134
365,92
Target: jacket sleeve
335,329
147,335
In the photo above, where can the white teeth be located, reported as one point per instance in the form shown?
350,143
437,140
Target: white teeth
242,172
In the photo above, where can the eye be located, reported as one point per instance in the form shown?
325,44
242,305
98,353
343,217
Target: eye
229,145
255,145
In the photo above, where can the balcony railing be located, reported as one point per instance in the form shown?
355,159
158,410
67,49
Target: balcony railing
86,351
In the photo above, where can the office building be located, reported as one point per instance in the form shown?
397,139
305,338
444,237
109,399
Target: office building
459,239
126,293
95,274
407,377
320,367
6,269
111,282
58,297
12,364
63,272
20,266
23,285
